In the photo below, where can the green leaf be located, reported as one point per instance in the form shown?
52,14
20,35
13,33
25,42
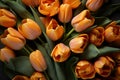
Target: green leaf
21,65
2,5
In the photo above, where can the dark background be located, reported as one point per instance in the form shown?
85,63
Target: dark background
114,16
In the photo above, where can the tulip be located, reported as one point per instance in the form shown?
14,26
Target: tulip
104,66
49,7
72,3
37,60
84,70
94,5
45,20
79,43
117,72
7,19
54,31
13,39
97,36
60,53
29,29
82,21
65,13
20,77
32,3
37,76
6,54
112,34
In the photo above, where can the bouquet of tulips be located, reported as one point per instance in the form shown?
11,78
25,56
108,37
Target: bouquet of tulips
59,39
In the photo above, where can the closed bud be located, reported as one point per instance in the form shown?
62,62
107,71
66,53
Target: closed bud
94,5
29,29
65,13
97,36
20,77
49,7
79,43
54,31
6,54
104,66
7,19
60,53
82,21
112,34
37,76
37,60
72,3
13,39
32,3
84,70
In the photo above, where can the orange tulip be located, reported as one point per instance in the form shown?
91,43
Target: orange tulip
20,77
97,36
84,70
7,19
54,31
49,7
37,60
37,76
45,20
29,29
79,43
112,34
13,39
82,21
6,54
32,3
73,3
94,5
60,53
65,13
104,66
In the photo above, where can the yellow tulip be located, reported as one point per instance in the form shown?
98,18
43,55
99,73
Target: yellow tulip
37,76
6,54
65,13
37,60
49,7
7,18
54,31
20,77
29,29
60,53
32,3
84,70
73,3
82,21
79,43
13,39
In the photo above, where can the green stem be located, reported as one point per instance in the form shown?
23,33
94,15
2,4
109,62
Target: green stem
28,52
29,48
118,21
40,40
47,77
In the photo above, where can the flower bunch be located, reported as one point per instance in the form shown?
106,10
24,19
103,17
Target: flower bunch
59,39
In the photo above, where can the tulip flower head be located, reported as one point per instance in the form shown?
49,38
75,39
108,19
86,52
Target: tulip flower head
32,3
82,21
37,76
20,77
7,18
13,39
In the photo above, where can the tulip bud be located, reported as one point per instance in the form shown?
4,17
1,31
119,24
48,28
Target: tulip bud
32,3
65,13
6,54
13,39
29,29
94,5
84,70
7,19
97,36
112,34
54,31
37,60
72,3
20,77
37,76
49,7
82,21
79,43
60,53
104,66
